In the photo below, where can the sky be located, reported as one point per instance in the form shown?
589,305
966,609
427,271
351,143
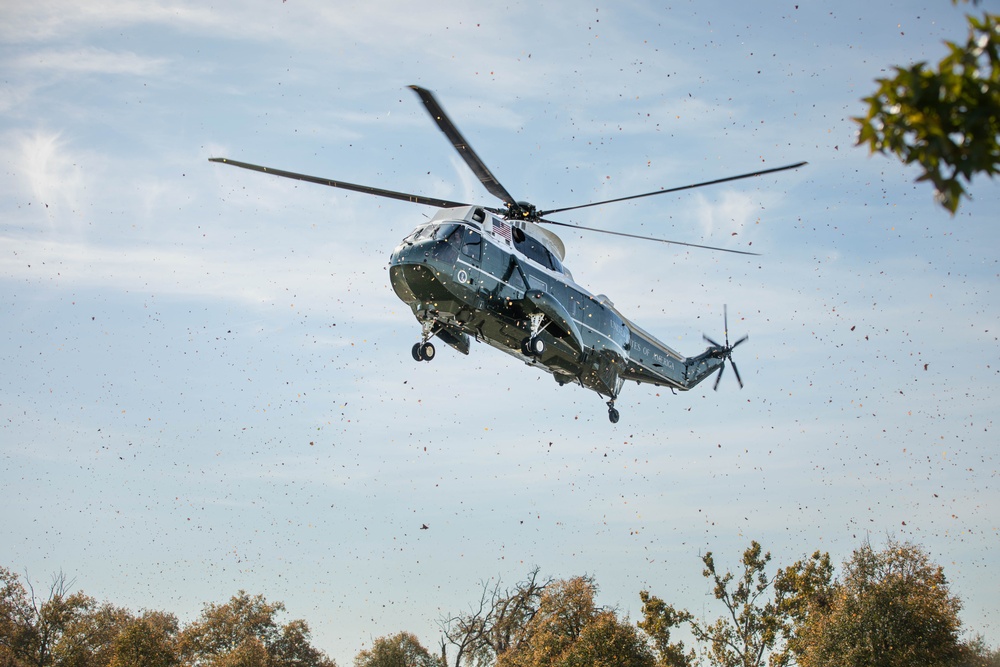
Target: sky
206,382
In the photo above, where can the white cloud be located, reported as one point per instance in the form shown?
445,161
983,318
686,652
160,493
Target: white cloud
728,215
230,274
56,19
90,60
297,22
52,176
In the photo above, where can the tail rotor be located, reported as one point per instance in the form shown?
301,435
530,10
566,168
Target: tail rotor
725,352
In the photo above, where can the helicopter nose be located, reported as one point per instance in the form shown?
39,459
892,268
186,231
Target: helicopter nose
406,253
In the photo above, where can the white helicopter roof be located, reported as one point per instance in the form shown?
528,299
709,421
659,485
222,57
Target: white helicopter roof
478,215
552,242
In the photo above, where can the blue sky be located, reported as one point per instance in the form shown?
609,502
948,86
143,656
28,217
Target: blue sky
206,382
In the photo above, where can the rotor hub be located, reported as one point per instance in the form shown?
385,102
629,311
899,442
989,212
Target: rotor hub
522,210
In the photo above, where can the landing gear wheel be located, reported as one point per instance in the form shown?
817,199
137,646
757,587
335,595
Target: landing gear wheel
612,412
423,351
536,346
533,347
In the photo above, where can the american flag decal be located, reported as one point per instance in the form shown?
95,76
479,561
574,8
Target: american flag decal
501,229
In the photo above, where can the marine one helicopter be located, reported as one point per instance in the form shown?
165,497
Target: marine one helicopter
494,274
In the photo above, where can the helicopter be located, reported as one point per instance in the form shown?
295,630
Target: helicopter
496,275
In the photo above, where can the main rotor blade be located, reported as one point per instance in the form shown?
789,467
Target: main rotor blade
367,189
678,189
477,166
647,238
725,323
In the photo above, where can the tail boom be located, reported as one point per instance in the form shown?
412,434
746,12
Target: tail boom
651,361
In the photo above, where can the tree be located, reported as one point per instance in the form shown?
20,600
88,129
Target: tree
244,633
947,119
975,653
752,625
400,650
72,630
294,647
15,619
147,641
756,628
88,638
498,625
565,608
893,608
569,630
606,641
804,591
658,619
31,627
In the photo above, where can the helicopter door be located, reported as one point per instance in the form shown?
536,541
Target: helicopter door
493,266
467,266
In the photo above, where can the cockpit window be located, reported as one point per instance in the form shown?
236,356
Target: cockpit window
438,232
419,233
446,230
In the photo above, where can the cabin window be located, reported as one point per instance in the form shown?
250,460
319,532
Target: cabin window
515,280
556,264
473,246
533,249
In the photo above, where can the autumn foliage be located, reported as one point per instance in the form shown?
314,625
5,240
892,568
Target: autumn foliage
890,607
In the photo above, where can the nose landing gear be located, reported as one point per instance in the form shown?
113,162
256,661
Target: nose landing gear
424,350
612,412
